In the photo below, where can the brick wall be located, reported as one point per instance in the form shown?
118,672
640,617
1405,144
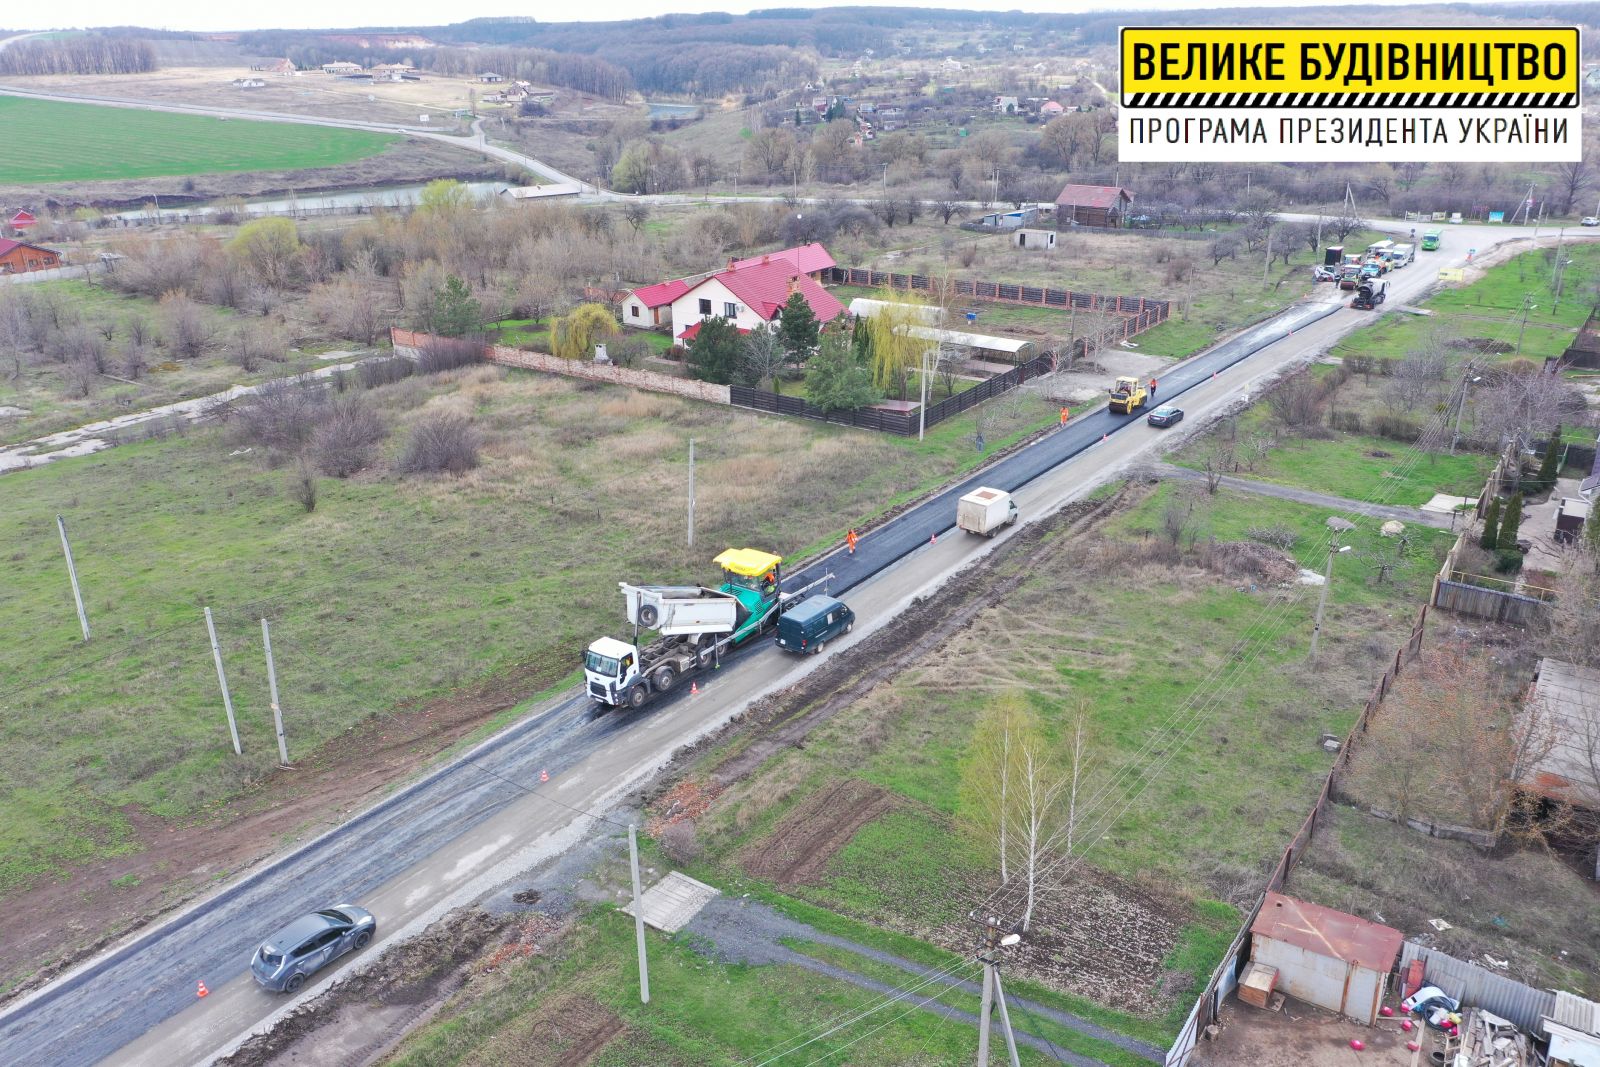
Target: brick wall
611,375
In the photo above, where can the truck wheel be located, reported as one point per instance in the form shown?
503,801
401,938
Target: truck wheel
849,626
649,615
636,697
819,647
664,678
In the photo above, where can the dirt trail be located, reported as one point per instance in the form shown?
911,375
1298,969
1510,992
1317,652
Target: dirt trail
798,850
55,924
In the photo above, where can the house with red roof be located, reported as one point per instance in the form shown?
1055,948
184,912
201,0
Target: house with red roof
811,259
19,257
1092,205
750,295
651,306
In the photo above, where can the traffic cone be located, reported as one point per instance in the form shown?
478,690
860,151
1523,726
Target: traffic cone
694,689
934,539
544,776
1105,437
202,990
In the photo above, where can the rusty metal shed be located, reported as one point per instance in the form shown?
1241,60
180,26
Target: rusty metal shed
1324,957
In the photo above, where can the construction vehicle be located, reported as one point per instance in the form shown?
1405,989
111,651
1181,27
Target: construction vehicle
986,511
1373,292
1128,395
694,625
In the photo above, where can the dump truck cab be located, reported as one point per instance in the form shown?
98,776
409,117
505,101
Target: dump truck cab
1128,395
611,667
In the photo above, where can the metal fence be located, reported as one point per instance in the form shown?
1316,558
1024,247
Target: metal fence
1482,988
903,423
1138,313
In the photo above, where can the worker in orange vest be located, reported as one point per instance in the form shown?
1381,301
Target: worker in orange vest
1152,387
850,539
1064,414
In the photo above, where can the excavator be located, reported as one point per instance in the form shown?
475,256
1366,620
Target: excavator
1128,395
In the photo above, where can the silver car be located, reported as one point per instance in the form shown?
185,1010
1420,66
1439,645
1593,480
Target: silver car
287,958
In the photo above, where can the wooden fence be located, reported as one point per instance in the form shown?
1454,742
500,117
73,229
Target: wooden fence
1452,592
903,423
1208,1006
1138,313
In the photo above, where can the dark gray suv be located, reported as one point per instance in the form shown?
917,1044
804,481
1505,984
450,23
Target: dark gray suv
287,958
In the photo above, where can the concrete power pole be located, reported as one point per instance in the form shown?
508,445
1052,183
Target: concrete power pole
638,915
72,572
272,684
222,680
996,937
1334,548
691,492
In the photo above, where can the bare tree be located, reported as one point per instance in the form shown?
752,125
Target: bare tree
1296,402
1217,461
1522,406
1418,376
185,326
761,357
949,208
636,213
303,486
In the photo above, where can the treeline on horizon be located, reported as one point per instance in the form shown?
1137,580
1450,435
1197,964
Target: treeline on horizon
89,53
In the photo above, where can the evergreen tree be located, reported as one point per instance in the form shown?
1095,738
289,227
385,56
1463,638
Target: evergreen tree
797,328
861,342
1510,519
1491,525
715,352
837,380
1549,469
455,312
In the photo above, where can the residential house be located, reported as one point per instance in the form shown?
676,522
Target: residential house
20,257
1050,109
951,65
1006,105
341,67
812,260
524,193
490,78
651,306
1102,206
750,297
1324,957
283,68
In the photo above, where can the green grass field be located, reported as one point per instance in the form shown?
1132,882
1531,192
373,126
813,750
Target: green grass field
51,141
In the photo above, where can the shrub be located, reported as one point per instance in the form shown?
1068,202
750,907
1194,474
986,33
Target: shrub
1396,427
344,441
303,487
445,442
1507,561
1278,535
375,372
448,353
281,415
1348,421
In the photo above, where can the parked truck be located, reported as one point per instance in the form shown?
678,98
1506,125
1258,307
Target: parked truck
986,511
694,625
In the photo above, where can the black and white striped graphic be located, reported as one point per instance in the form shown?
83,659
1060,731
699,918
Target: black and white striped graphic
1349,100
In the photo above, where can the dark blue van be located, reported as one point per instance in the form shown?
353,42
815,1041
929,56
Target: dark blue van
812,623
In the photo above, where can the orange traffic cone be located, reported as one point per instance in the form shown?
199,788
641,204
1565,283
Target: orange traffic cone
694,689
1105,437
544,776
934,539
202,990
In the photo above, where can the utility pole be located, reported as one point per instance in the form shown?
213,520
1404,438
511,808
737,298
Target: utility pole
995,938
1461,403
691,492
72,572
638,915
922,408
222,680
1334,548
1267,266
1526,307
272,684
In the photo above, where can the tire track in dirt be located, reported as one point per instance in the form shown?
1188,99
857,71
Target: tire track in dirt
799,848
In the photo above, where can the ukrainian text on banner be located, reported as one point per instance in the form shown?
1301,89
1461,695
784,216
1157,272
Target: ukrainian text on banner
1340,94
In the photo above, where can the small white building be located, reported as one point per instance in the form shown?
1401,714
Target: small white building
650,306
1324,957
341,67
1027,237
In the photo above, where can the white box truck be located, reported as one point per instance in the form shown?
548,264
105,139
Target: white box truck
986,511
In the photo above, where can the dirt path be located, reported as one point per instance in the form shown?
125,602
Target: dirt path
798,850
53,925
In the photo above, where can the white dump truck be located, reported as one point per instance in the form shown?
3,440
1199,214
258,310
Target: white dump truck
986,511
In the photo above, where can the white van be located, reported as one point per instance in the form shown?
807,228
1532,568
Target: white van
1403,254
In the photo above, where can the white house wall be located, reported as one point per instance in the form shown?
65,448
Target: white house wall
686,309
634,313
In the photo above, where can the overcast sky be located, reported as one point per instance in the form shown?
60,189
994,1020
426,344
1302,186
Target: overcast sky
208,15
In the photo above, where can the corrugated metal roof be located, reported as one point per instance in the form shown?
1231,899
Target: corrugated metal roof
1092,195
1579,1014
808,259
1326,932
654,296
1568,699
